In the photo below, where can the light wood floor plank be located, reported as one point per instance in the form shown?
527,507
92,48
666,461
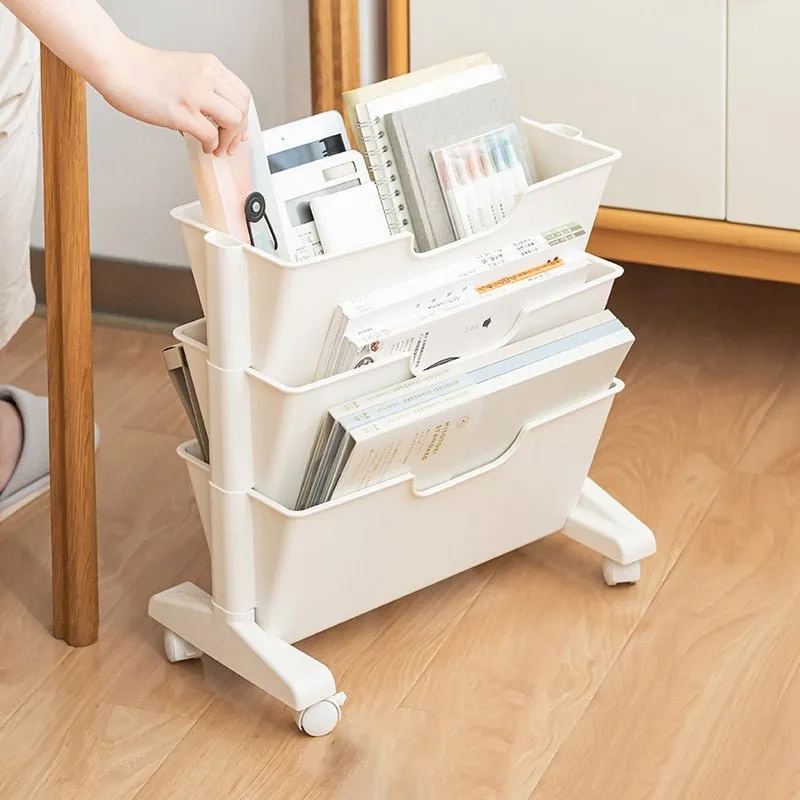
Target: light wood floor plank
57,747
23,351
28,653
150,539
703,703
379,655
775,449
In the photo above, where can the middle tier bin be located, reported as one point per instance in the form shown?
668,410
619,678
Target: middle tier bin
281,421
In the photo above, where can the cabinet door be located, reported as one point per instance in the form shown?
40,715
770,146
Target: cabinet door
645,76
764,113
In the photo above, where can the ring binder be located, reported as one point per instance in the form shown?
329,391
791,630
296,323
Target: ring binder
393,201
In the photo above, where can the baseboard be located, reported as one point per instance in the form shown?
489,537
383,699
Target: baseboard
726,248
134,290
153,293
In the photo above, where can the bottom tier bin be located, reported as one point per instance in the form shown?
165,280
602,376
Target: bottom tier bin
317,568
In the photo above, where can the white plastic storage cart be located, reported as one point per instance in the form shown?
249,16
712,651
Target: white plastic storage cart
280,575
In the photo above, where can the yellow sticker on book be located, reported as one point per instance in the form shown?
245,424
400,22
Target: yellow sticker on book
520,276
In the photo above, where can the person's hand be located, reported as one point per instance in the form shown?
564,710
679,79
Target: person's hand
189,92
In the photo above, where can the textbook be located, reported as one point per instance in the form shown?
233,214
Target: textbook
463,415
377,149
181,377
475,320
363,94
417,132
437,290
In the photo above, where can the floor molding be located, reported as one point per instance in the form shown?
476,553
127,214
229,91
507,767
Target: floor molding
134,290
725,248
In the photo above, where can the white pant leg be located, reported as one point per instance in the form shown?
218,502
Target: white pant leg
19,149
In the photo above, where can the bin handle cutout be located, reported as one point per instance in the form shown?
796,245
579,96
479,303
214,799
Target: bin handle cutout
564,130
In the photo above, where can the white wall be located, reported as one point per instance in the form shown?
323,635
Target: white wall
763,113
372,16
138,173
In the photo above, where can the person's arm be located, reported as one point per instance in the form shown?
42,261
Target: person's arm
189,92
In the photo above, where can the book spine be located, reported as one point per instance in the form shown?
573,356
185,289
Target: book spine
414,198
381,168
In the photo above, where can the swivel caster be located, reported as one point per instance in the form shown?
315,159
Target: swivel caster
321,718
178,649
615,573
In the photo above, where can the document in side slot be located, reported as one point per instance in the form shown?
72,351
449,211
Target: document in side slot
478,319
478,413
181,377
447,286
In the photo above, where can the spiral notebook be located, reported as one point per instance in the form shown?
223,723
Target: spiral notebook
377,148
409,80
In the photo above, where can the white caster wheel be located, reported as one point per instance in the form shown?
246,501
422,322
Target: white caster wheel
178,649
615,573
321,718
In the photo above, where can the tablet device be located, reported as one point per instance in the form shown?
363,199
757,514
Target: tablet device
305,140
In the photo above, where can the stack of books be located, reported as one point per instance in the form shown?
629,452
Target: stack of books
453,312
463,415
446,147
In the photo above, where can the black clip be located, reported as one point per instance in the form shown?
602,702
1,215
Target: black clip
255,209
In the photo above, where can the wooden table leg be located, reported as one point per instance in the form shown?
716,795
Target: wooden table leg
69,354
335,53
397,37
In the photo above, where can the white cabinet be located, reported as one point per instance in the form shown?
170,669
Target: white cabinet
646,77
764,113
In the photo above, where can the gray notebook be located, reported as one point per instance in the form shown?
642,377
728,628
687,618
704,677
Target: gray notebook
416,132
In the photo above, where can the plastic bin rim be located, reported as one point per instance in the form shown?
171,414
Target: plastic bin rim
219,239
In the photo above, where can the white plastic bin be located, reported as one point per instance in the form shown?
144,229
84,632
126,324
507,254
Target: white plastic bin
320,567
282,420
282,310
280,575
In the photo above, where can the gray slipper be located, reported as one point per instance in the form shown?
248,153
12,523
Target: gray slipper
31,476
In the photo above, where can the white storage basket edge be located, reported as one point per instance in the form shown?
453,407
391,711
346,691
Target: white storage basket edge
280,575
290,304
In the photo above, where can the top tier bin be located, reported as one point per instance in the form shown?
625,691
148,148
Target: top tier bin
273,315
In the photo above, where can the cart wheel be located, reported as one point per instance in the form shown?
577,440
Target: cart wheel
321,718
615,573
178,649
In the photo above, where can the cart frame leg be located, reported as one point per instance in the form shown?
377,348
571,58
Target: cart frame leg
238,642
604,525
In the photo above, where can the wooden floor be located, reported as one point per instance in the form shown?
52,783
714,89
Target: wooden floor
525,677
